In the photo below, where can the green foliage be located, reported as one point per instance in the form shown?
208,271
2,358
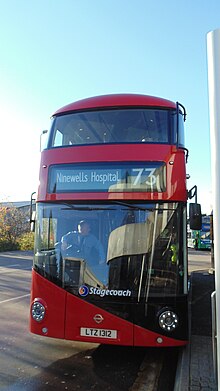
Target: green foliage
6,245
26,241
14,226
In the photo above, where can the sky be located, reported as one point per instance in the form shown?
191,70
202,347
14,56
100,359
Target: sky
54,52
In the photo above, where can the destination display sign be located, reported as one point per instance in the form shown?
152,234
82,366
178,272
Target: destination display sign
139,177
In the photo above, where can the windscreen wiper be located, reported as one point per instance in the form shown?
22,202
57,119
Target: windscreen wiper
131,206
136,207
90,208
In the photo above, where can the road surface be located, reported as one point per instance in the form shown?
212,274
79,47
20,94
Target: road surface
33,363
199,260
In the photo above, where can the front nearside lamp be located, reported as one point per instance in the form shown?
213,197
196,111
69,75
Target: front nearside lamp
38,311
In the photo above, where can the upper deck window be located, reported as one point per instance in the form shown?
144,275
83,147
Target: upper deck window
113,126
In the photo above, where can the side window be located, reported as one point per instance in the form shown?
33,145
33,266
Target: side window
58,139
181,131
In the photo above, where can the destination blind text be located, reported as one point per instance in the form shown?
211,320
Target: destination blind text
92,176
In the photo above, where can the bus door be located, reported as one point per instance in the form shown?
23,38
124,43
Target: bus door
162,293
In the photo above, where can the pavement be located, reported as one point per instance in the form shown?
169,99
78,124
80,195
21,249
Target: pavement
195,369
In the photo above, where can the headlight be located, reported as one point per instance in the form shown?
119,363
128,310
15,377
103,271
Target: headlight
168,320
38,311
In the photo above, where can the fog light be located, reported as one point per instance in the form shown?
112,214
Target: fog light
38,311
159,340
168,320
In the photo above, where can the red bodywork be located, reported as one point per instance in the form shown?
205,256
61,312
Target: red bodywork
117,100
66,313
173,157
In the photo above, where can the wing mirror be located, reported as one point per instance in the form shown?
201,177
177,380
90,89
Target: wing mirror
195,216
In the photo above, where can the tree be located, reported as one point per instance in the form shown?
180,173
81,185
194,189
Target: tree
14,222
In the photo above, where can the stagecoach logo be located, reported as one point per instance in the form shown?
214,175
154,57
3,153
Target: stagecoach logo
98,318
84,291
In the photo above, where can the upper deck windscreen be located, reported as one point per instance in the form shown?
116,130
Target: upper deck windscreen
114,126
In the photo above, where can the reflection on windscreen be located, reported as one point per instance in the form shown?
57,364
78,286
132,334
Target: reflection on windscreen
112,126
110,250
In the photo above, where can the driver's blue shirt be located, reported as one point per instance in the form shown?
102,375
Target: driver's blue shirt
87,247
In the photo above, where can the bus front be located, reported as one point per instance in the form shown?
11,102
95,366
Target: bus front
110,259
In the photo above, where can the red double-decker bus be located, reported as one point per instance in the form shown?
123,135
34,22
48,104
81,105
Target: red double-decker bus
110,259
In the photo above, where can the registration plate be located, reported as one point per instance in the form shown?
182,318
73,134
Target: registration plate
98,333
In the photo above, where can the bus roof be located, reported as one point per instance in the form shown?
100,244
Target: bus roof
116,100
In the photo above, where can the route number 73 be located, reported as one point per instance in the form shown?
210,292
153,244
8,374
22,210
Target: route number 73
142,172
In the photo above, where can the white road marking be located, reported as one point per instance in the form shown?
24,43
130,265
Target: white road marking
18,256
14,298
16,264
10,269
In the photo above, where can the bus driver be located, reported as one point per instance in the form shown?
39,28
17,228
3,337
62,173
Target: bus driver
87,245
